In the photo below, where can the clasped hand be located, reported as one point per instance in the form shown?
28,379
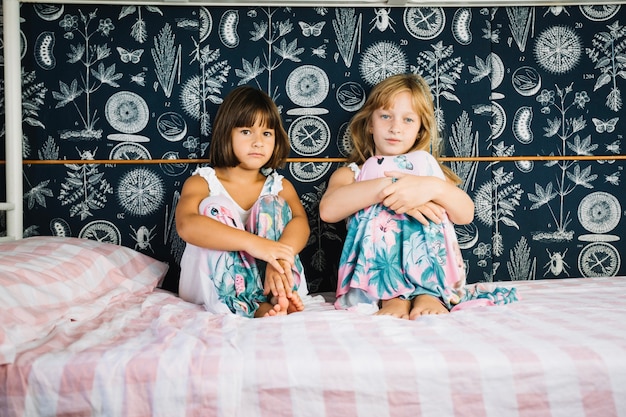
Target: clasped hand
280,259
412,195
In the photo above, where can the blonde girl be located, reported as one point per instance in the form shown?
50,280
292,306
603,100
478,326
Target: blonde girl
243,223
401,254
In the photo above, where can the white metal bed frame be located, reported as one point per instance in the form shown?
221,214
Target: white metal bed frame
12,71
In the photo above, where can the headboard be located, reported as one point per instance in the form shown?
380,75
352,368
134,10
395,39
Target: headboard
529,99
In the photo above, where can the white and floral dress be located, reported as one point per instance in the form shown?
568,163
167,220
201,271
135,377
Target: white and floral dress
232,282
388,255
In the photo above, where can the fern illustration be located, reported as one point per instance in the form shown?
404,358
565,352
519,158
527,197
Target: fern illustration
166,56
33,97
496,202
278,50
441,72
319,229
609,56
138,30
206,87
520,266
84,188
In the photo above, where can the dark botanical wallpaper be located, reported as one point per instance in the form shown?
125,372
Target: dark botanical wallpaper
528,99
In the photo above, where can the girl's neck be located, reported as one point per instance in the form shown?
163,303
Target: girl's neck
239,175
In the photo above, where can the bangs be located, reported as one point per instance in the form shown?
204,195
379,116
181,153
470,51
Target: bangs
259,112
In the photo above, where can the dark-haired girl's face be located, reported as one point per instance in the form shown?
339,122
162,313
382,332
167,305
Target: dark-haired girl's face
253,145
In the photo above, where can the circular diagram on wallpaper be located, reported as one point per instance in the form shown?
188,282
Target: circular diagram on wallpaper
129,151
599,12
350,96
599,212
101,231
424,22
558,49
309,171
309,135
307,86
172,126
127,113
599,259
381,60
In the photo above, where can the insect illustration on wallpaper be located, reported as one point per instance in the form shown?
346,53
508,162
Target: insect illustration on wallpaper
557,264
613,178
139,79
142,237
320,51
382,21
614,147
311,29
132,56
556,10
607,126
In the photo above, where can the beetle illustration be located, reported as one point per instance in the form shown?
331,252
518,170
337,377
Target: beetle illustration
557,263
382,20
142,237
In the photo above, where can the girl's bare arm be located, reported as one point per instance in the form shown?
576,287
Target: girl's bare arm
344,196
410,192
203,231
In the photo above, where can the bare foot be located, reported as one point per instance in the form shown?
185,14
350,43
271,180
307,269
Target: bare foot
396,307
269,309
292,303
425,304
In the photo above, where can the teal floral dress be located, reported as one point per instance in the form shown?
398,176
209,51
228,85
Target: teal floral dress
388,255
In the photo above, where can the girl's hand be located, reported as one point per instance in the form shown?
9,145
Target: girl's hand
277,283
271,252
429,211
407,192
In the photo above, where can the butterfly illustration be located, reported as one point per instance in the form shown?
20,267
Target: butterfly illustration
605,126
402,162
129,56
315,29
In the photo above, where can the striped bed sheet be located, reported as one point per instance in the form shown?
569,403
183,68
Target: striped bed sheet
559,351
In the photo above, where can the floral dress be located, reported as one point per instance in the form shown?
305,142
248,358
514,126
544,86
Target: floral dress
232,282
388,255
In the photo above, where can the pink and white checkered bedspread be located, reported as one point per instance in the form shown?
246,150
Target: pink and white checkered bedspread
560,351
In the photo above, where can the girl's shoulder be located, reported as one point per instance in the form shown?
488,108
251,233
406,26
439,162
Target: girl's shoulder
204,172
352,166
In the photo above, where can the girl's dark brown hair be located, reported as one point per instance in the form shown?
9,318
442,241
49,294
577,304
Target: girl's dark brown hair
242,107
381,96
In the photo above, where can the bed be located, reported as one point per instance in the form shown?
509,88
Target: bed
86,331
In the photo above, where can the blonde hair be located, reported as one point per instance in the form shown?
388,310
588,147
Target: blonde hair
381,96
241,108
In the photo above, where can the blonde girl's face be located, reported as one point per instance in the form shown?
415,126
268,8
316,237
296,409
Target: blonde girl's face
395,129
253,145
